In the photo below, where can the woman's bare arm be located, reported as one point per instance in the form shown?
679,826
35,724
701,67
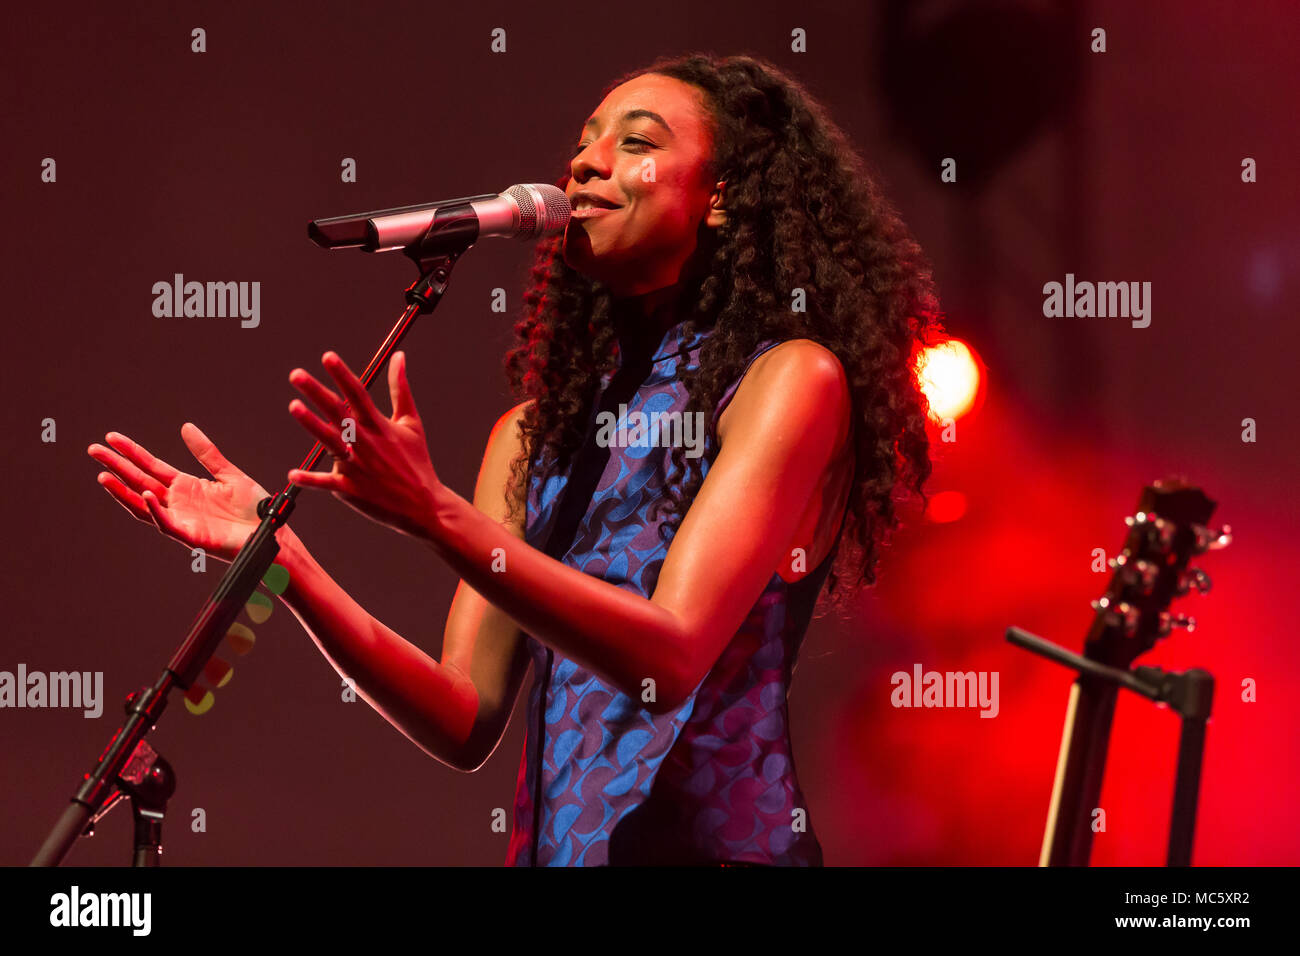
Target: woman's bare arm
785,427
480,639
456,710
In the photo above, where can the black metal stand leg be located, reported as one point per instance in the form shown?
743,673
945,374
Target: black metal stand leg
1189,693
1197,696
148,837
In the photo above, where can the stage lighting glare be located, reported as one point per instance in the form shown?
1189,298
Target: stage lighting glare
949,374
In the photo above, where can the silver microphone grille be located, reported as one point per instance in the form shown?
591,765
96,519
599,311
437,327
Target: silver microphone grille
543,208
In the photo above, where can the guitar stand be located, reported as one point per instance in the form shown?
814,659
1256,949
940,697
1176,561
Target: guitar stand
1190,693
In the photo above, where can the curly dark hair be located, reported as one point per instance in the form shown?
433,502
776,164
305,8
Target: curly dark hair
802,213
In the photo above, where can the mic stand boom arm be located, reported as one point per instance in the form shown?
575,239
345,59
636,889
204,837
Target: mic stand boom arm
106,783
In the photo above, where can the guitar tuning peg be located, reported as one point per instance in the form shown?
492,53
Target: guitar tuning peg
1143,574
1207,539
1194,578
1140,574
1170,621
1140,518
1122,615
1164,532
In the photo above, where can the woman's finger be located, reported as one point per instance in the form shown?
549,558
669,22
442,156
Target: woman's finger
147,463
202,448
327,480
125,497
399,389
128,474
330,404
327,435
351,388
160,516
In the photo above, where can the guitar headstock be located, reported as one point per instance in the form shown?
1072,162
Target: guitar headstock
1169,528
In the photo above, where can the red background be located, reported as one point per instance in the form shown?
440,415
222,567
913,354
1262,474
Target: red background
212,164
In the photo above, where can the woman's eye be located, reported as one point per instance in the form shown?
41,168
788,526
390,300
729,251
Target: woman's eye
627,142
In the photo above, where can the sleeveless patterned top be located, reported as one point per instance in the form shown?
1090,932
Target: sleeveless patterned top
619,785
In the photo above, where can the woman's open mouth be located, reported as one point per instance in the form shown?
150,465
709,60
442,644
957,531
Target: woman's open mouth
588,204
591,212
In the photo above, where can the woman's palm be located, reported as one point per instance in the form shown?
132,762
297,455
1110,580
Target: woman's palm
216,514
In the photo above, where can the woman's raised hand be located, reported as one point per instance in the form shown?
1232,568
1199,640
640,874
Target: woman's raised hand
216,515
381,467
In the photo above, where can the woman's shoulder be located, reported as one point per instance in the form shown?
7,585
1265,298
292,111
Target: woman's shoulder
505,444
515,415
804,358
797,380
506,433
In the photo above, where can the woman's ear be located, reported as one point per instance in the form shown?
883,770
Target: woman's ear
717,207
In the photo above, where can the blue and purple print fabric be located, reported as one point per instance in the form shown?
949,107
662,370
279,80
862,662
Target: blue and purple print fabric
714,781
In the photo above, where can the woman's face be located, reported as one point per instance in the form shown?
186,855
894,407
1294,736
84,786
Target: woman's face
646,151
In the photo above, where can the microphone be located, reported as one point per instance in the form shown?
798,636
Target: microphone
524,211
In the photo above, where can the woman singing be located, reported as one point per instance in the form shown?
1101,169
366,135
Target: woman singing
716,384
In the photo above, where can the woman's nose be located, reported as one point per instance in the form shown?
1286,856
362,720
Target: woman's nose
590,162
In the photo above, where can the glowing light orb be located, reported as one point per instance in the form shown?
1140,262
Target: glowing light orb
946,506
199,700
950,376
240,638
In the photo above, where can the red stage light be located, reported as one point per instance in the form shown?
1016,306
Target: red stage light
951,375
945,506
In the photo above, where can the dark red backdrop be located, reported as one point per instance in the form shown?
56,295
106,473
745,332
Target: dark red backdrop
211,165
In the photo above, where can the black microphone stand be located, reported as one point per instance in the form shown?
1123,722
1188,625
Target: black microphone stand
1189,693
128,766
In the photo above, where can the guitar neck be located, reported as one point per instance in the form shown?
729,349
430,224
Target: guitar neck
1168,527
1080,767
